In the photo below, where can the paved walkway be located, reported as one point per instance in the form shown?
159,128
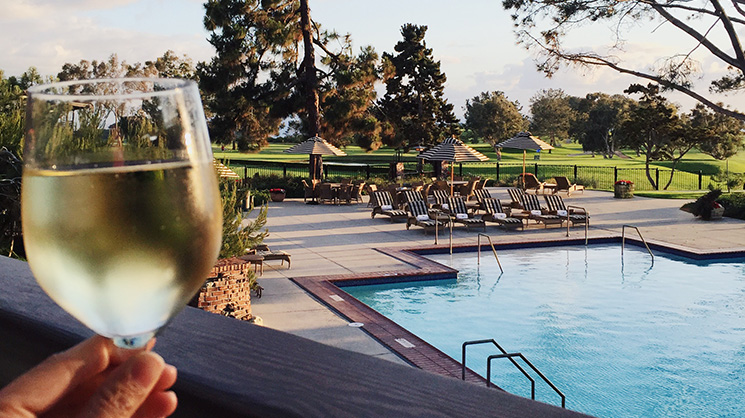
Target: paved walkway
330,240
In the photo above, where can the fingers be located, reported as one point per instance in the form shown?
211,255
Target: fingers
44,385
158,404
127,389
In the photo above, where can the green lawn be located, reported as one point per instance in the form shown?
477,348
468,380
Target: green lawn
567,154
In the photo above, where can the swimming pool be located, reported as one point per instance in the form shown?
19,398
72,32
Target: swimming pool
620,339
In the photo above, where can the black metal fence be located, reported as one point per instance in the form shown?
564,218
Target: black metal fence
596,177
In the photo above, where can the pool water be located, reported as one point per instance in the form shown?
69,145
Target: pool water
621,337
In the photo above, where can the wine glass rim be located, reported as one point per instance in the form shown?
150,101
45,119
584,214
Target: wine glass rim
42,91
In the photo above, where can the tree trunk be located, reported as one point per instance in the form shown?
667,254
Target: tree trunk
310,78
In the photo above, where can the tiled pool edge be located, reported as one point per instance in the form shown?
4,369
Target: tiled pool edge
408,345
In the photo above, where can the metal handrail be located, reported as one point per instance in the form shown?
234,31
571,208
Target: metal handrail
478,260
587,219
532,393
510,357
623,239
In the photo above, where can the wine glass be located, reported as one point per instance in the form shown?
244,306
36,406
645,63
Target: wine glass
121,213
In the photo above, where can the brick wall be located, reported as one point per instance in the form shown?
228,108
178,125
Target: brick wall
226,291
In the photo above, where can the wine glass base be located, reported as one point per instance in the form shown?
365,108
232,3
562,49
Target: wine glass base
136,341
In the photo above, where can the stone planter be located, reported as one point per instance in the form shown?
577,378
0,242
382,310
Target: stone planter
623,191
277,196
716,213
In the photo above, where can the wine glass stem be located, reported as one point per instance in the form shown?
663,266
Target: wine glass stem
134,341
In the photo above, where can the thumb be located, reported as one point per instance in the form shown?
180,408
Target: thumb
127,387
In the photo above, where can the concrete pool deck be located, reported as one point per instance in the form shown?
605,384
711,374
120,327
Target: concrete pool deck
329,240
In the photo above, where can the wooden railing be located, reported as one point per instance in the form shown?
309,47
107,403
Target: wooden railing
228,368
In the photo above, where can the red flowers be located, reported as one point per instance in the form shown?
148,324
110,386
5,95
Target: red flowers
276,190
625,182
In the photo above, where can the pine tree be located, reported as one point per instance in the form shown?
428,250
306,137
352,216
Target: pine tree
266,70
414,103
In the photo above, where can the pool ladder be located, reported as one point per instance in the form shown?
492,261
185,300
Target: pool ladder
623,239
493,250
511,358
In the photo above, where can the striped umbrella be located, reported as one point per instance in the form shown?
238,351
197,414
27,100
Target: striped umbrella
453,150
315,147
524,141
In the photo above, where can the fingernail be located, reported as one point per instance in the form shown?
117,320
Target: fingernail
147,368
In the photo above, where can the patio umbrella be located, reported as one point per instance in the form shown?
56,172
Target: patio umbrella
524,141
315,147
453,150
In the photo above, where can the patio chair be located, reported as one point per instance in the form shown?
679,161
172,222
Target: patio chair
459,213
556,207
371,189
515,194
264,251
530,182
564,185
467,191
357,191
426,190
384,206
442,185
345,193
532,210
495,213
309,191
420,216
326,193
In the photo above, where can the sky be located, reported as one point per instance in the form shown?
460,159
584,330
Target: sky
473,40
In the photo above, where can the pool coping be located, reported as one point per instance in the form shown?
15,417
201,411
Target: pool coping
407,345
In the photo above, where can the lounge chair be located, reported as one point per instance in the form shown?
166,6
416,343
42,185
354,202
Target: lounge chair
530,182
482,194
564,185
412,196
495,213
263,250
516,194
420,216
556,207
459,212
532,210
384,206
441,199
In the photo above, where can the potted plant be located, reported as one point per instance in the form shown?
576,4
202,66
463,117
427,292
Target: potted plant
706,206
623,189
277,195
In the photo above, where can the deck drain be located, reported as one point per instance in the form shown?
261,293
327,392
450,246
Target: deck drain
336,298
356,324
404,342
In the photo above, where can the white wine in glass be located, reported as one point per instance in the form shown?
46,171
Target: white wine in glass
121,212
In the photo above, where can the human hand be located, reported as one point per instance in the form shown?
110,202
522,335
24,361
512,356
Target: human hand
93,379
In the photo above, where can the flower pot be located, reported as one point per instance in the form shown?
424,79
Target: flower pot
717,213
623,191
277,196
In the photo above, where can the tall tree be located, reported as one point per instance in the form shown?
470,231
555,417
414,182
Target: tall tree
655,128
414,102
718,135
597,117
712,27
551,114
266,69
493,117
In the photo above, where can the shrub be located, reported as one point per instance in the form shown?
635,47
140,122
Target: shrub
236,237
734,205
703,205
